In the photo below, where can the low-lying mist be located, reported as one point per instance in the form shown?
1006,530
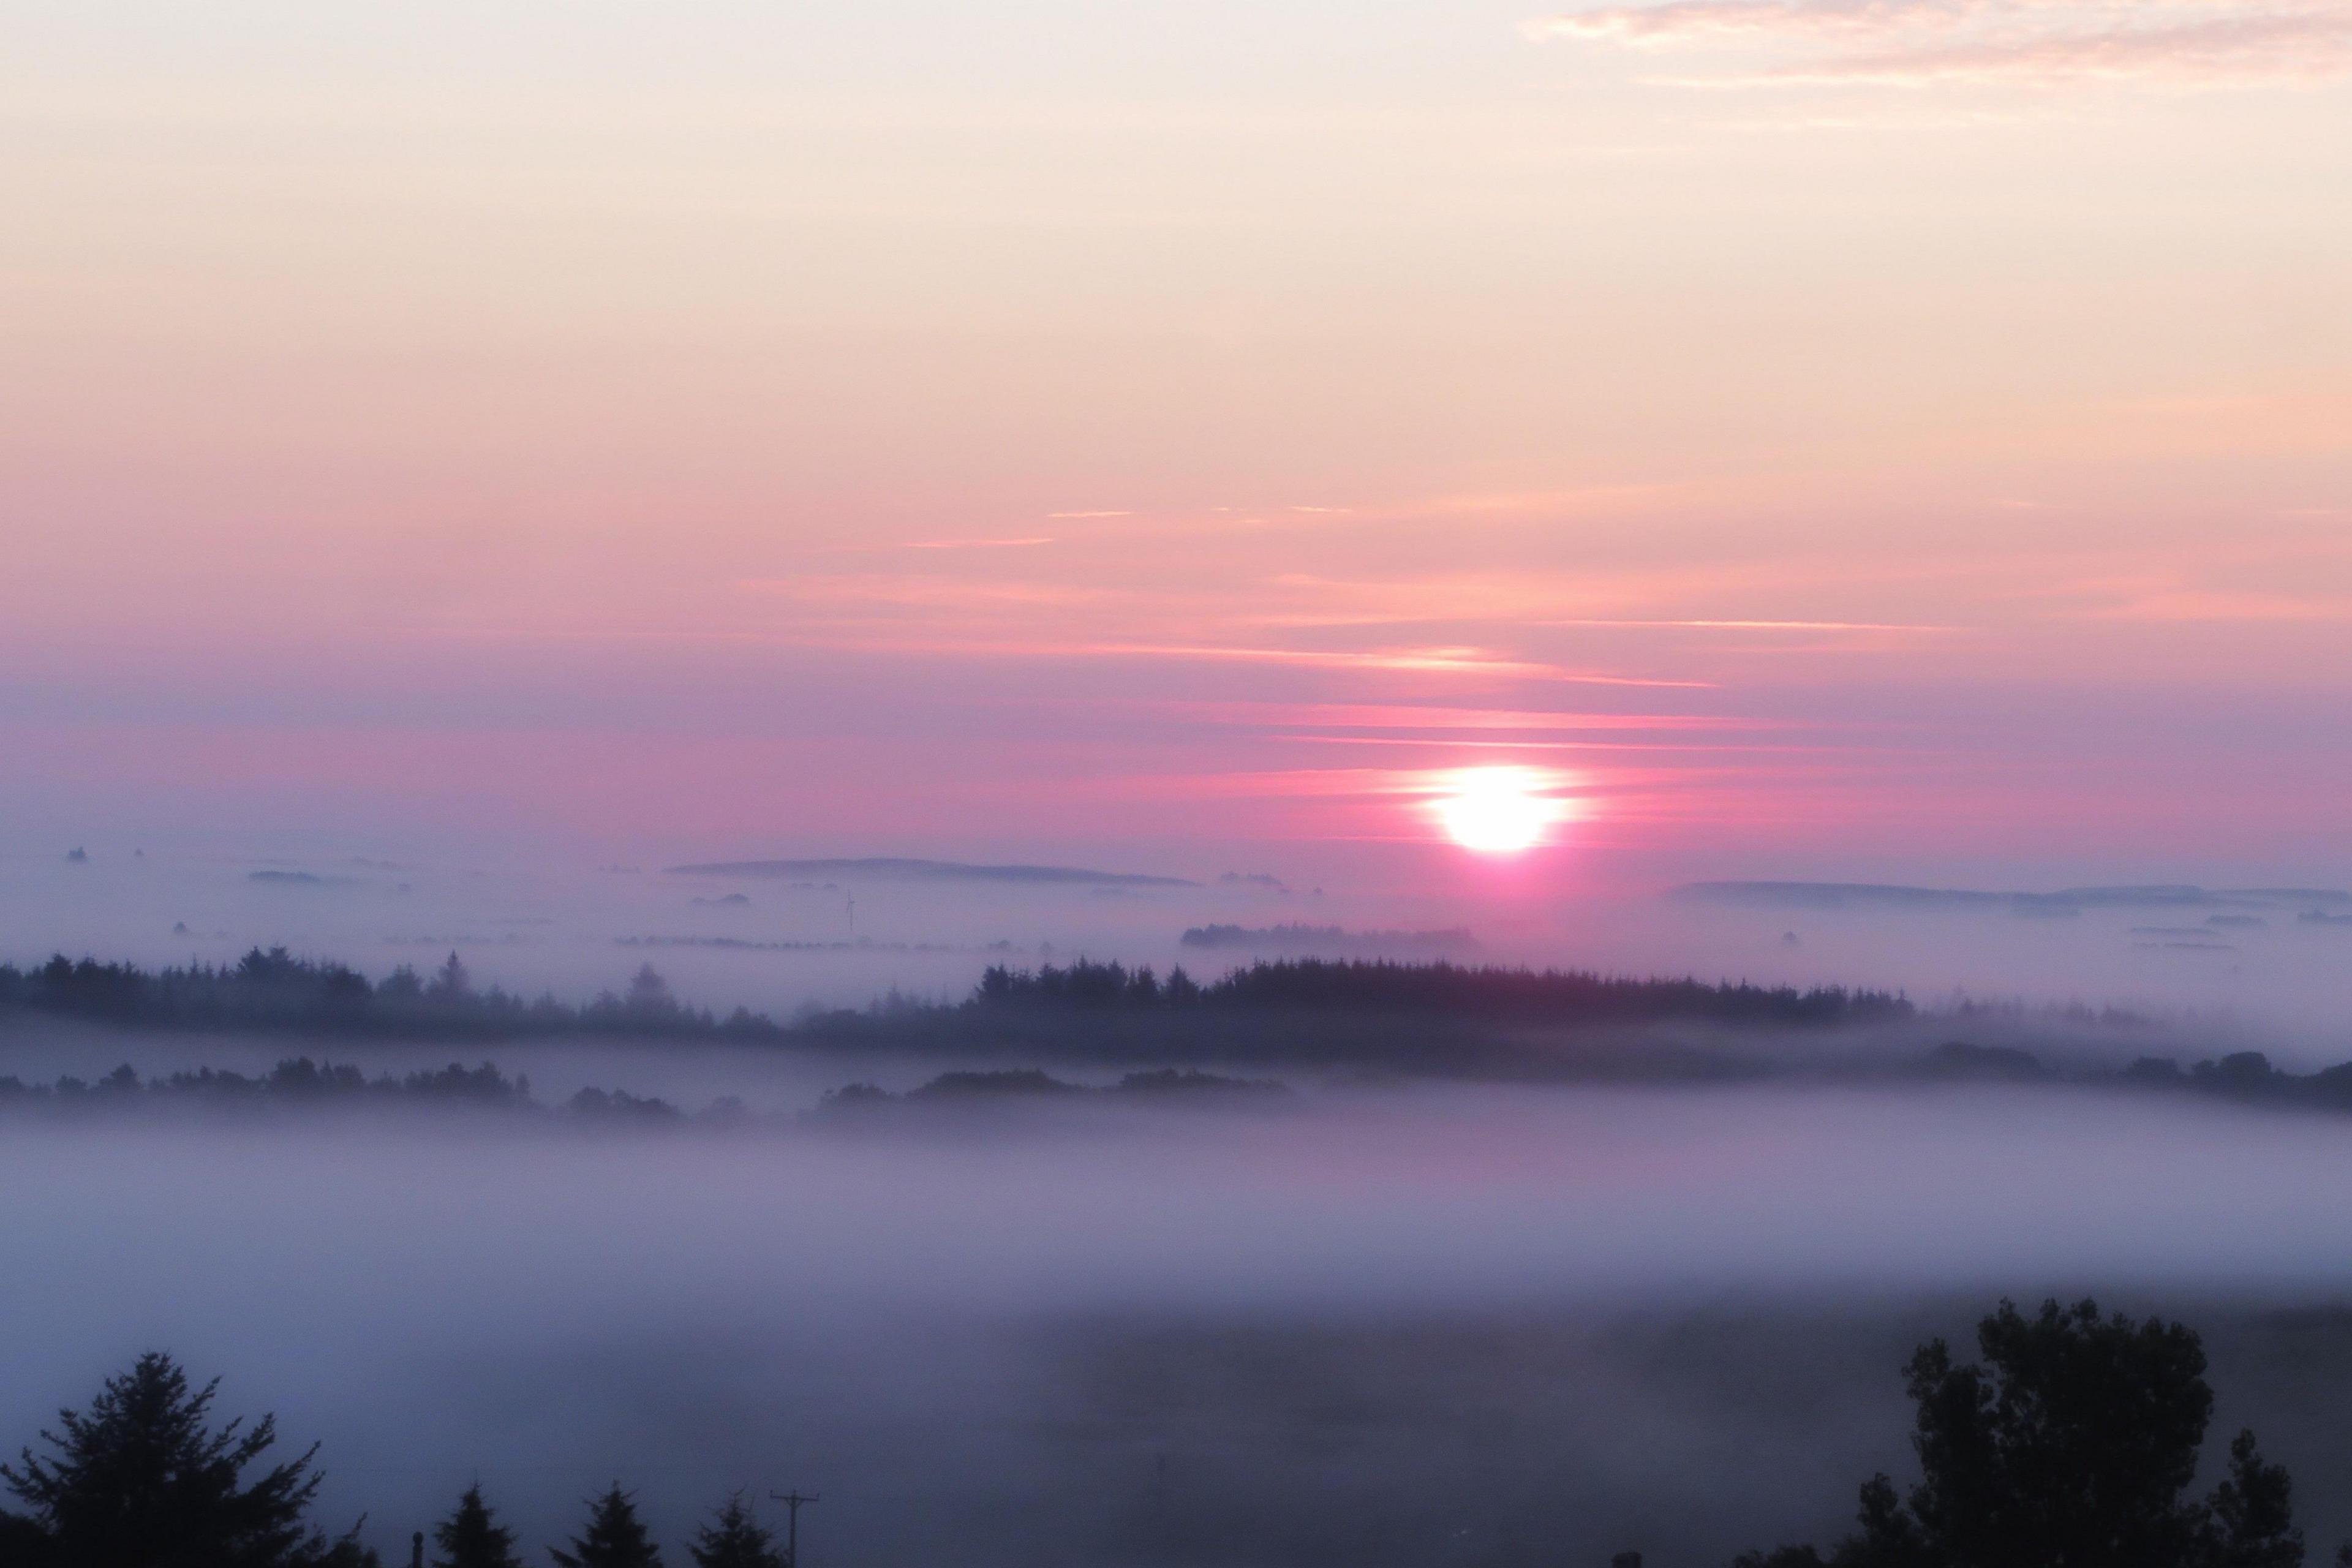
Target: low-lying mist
1428,1325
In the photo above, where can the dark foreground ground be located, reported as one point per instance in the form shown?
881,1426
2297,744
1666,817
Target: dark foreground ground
1520,1439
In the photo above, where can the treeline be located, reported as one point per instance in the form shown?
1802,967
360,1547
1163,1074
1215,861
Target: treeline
1438,1016
142,1479
276,990
1432,1020
2242,1076
1388,986
1166,1084
300,1081
2247,1076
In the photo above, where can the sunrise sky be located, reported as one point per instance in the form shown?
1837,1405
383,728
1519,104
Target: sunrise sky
1899,440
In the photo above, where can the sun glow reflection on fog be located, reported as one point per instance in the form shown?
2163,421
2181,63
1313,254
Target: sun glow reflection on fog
1497,810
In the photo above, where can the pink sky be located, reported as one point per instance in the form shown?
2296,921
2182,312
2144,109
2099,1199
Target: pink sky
1901,442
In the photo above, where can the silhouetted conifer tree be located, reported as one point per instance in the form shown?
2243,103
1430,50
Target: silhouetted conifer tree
2254,1513
471,1537
450,981
615,1538
141,1479
650,994
735,1539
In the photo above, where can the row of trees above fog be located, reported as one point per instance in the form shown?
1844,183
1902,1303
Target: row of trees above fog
300,1083
1384,986
2074,1442
1435,1019
275,988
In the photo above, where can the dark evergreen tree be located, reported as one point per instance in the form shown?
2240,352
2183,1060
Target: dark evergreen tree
142,1480
649,994
615,1538
2254,1513
2071,1447
735,1539
450,981
471,1537
24,1543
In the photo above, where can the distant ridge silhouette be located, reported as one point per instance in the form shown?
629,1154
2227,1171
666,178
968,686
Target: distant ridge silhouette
1452,941
2063,901
931,870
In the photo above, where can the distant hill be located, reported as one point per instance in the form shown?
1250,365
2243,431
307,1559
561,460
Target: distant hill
1454,941
890,869
2062,903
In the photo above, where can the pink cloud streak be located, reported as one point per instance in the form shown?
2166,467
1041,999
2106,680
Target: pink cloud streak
1914,43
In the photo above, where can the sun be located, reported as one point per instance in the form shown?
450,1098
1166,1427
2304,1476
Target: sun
1496,811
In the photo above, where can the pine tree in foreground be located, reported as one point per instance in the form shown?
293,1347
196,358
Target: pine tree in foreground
143,1477
472,1537
735,1539
615,1537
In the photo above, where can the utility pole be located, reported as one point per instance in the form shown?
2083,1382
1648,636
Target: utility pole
792,1502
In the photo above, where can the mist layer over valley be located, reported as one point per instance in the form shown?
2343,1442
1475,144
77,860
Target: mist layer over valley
1411,1322
1324,1257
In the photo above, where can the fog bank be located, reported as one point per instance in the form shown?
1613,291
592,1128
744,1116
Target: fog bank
1581,1311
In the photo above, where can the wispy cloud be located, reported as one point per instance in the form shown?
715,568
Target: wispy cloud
2274,587
1421,717
1022,616
1406,661
1325,784
2185,604
871,592
1919,43
975,544
1751,625
868,637
1456,743
1629,599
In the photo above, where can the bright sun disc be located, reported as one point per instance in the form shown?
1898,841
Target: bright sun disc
1493,811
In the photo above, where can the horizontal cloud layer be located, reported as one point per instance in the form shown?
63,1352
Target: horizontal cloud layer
1909,43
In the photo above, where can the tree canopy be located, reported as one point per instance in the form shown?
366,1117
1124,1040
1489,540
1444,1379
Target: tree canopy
2072,1445
471,1537
615,1537
142,1479
734,1538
